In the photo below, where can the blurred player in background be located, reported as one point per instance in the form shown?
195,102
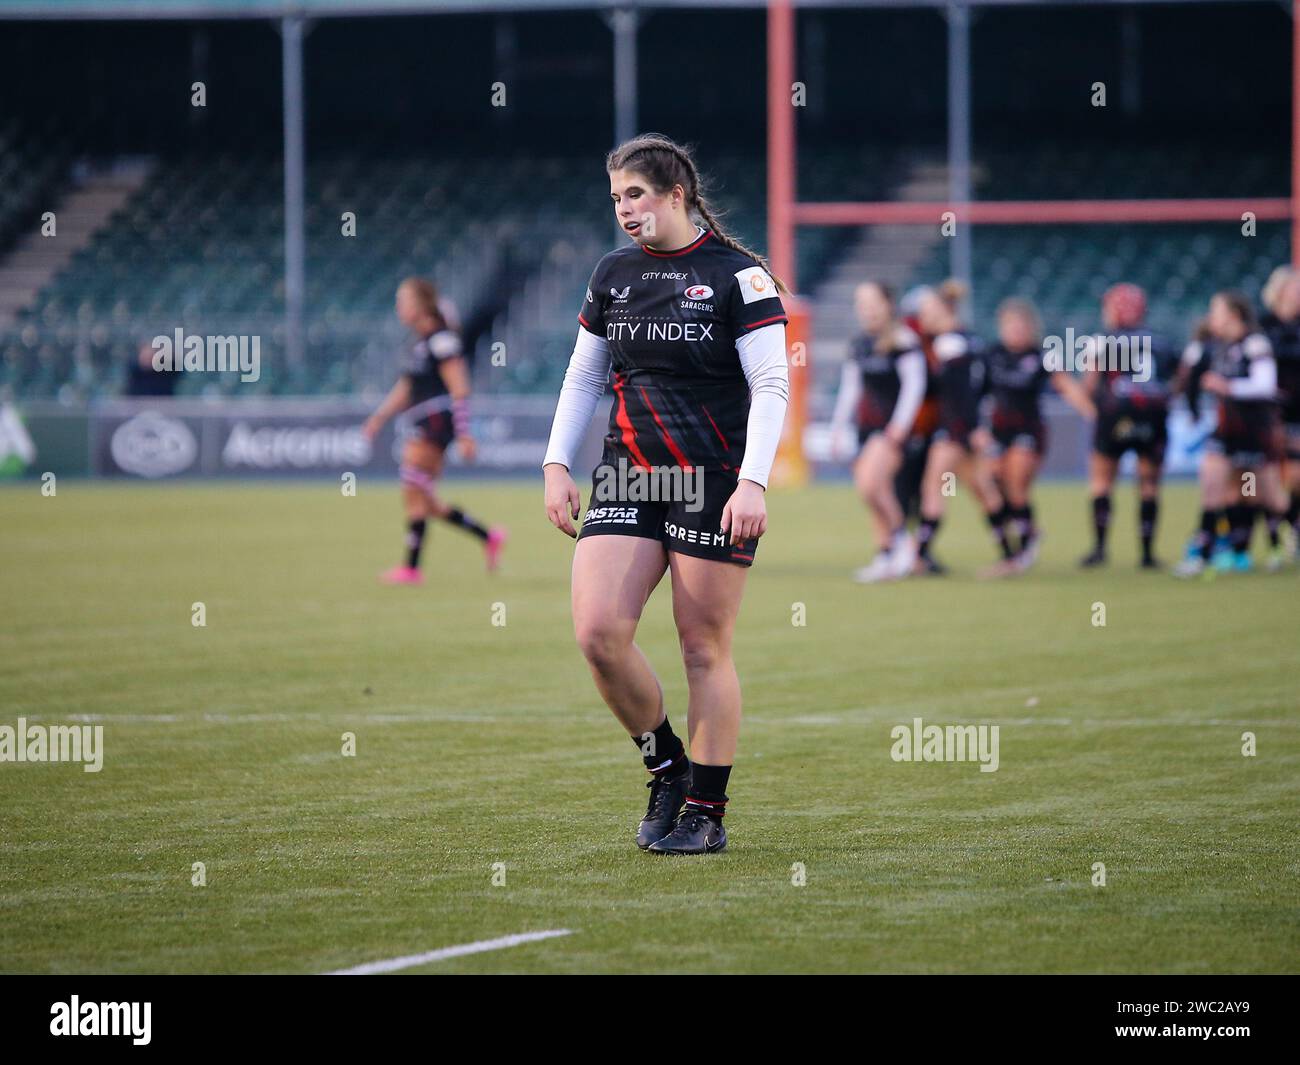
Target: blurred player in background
143,380
916,448
883,383
1017,373
693,326
1242,373
959,440
1132,415
1281,324
433,392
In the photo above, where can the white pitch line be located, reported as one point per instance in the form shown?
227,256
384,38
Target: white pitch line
393,964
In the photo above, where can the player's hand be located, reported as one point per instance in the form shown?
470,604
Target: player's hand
1215,383
562,500
468,448
370,429
745,515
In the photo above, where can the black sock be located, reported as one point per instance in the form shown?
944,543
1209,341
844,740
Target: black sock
924,534
1209,532
456,516
1023,517
1100,521
997,520
414,541
1148,511
1293,511
1273,521
662,751
1240,519
708,790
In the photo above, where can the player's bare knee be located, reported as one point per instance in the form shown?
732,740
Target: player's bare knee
702,650
602,644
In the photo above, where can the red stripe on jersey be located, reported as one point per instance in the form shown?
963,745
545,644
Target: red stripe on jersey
682,460
625,423
584,321
767,321
681,251
747,558
715,427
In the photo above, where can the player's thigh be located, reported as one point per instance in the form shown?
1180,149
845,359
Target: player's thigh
612,578
706,603
1214,474
946,456
1271,490
423,455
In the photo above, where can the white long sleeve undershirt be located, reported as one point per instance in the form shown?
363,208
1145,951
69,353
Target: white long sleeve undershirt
584,384
911,390
1262,382
762,358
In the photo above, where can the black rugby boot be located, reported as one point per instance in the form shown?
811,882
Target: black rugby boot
694,833
666,798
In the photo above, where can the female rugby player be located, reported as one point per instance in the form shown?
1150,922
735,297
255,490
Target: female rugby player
1282,327
433,390
959,441
692,324
1017,373
883,381
1243,374
1133,409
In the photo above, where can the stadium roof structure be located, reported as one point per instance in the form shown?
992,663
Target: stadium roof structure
785,211
314,9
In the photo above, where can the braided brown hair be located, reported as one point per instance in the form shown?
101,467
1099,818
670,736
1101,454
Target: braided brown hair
666,163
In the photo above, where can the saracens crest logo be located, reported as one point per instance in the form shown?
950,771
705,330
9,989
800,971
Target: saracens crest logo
693,298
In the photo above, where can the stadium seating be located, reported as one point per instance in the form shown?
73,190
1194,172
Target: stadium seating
201,247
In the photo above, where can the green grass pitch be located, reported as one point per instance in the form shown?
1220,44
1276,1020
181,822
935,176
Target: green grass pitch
479,743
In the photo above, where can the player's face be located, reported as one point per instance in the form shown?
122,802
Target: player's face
1288,300
408,307
1015,331
1223,322
642,213
934,315
873,310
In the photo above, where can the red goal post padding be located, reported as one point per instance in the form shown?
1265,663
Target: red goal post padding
1041,212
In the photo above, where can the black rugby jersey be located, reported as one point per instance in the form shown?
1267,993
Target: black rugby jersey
672,320
878,371
1148,353
1016,379
961,378
420,363
1233,361
1285,338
